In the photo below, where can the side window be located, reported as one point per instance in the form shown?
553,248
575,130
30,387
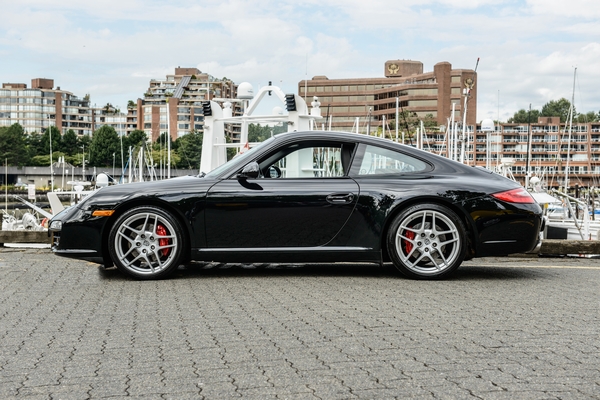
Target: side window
308,162
380,161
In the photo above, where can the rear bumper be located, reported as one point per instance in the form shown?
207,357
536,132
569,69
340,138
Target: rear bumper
538,246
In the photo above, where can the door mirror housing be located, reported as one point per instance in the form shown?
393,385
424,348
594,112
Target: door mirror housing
251,170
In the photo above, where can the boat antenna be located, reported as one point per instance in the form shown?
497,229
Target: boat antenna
306,80
571,111
406,124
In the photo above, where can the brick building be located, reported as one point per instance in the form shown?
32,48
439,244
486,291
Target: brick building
182,93
368,100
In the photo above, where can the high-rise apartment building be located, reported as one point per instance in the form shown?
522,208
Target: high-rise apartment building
175,103
40,106
545,147
356,104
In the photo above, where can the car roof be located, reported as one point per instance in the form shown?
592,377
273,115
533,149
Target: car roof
373,140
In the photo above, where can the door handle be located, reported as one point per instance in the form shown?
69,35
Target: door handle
340,198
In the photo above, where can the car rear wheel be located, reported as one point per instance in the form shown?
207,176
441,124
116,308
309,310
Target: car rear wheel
427,241
146,242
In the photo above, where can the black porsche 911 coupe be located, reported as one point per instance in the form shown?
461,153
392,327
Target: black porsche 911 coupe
307,197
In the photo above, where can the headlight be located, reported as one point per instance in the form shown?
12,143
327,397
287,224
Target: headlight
55,226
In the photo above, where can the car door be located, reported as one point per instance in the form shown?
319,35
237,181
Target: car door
303,199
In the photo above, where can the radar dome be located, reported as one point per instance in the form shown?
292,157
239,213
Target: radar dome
245,91
102,180
277,110
487,125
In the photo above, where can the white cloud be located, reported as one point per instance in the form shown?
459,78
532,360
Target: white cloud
586,9
111,49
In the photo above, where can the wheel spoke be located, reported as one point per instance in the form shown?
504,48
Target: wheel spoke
453,240
125,227
168,246
449,232
149,263
130,262
131,249
130,240
145,222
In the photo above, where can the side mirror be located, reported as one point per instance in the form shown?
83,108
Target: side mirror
251,170
274,171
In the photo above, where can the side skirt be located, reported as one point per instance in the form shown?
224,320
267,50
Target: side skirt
288,254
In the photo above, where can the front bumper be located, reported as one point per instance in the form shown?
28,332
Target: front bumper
79,236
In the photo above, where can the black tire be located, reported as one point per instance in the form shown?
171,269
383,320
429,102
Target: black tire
146,243
427,241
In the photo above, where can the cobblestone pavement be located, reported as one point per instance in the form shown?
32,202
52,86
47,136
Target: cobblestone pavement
503,328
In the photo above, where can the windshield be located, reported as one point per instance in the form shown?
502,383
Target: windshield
239,160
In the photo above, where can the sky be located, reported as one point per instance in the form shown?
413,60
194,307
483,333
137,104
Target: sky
528,49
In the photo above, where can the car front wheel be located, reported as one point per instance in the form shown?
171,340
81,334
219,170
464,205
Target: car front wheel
427,241
146,242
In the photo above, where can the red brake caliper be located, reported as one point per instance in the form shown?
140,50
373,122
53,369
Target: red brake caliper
162,231
408,246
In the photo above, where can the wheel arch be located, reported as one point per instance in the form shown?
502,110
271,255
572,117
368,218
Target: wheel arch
459,211
146,202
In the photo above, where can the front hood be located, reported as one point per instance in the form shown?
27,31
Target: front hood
164,189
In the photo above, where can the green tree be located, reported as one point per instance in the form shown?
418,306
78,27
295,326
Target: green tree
161,142
13,145
523,116
131,104
69,143
429,122
408,122
590,116
84,141
260,133
159,155
558,108
56,141
135,139
34,144
189,149
105,142
109,108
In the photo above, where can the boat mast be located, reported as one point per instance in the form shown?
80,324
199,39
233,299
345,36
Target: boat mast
529,138
571,109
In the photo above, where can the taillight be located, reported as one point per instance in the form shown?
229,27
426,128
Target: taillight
519,195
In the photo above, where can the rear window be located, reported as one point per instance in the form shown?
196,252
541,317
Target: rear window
380,161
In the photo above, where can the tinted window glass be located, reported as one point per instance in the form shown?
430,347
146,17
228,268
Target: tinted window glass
311,162
379,161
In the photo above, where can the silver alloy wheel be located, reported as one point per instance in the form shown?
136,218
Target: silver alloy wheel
146,243
428,242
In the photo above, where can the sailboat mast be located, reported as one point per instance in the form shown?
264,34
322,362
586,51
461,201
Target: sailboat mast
571,109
